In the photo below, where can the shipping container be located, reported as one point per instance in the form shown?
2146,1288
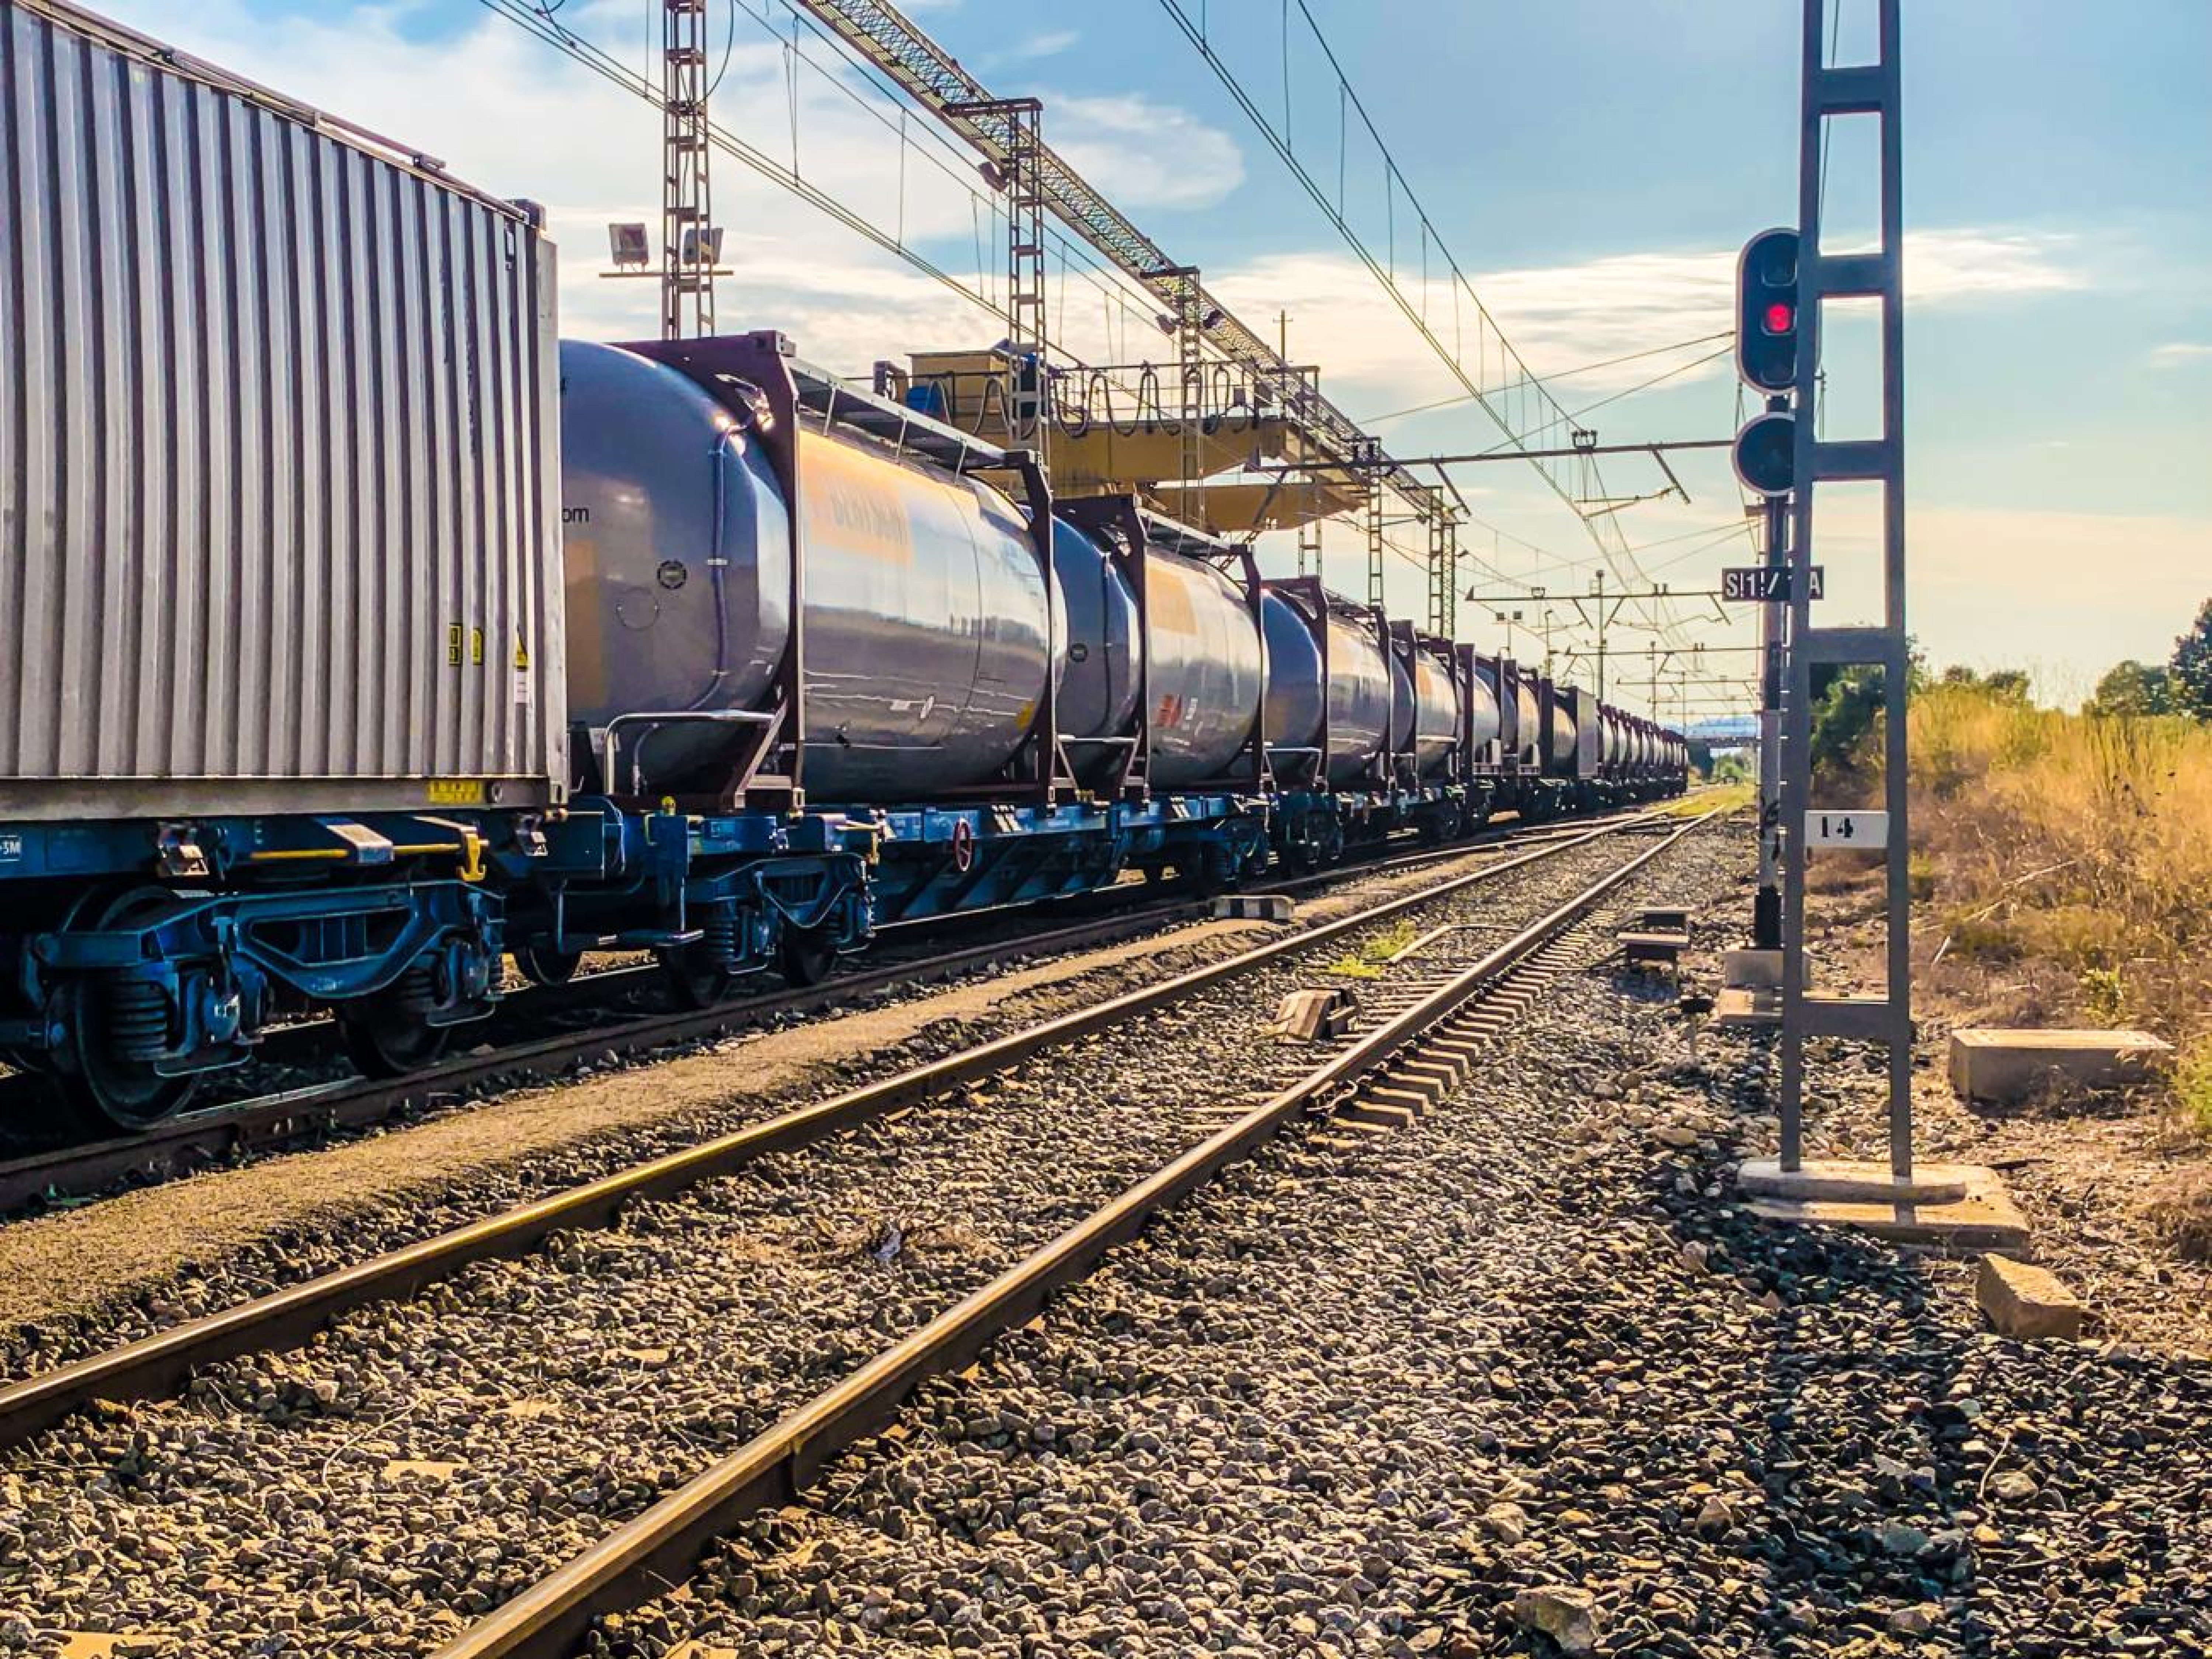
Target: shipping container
279,514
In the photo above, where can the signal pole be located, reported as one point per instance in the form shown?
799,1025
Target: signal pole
1773,625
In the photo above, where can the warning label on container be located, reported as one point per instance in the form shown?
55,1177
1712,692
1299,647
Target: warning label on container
521,687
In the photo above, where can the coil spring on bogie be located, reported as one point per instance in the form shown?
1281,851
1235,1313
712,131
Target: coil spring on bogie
136,1016
414,994
719,928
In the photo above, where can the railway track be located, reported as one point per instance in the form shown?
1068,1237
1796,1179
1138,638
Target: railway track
217,1133
1418,1049
1425,1023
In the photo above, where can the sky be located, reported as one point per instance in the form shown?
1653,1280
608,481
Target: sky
1592,166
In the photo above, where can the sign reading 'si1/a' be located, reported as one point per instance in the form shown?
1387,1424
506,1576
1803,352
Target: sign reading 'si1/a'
1769,584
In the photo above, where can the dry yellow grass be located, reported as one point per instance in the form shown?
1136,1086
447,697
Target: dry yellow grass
2069,859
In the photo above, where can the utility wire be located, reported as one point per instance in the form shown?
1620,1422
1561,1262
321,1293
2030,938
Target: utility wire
1602,529
1559,374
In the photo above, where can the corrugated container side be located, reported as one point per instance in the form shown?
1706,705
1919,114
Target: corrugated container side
278,508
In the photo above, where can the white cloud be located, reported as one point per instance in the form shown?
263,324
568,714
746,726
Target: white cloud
1561,317
1144,153
1046,43
2179,353
511,115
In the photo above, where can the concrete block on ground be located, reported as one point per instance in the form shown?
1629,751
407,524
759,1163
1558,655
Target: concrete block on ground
1744,1009
1254,907
2005,1067
1960,1207
1651,949
1751,970
1850,1182
1318,1015
1664,918
2025,1300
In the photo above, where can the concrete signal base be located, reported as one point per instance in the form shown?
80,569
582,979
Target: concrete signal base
1955,1207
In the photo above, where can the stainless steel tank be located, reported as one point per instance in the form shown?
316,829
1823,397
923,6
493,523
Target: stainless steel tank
1613,740
1436,715
1103,653
1205,676
1360,701
927,614
1530,737
1559,739
1483,722
1357,694
1296,700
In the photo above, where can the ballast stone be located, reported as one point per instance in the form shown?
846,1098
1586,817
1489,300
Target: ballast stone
2024,1300
2004,1066
1567,1615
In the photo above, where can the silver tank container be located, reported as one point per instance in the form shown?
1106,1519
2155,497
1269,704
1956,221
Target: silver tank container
1206,676
1436,715
927,614
1530,736
1612,741
1359,694
1105,653
1559,739
1482,719
1296,697
1360,699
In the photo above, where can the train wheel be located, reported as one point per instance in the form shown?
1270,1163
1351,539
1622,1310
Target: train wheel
807,956
388,1033
102,1090
543,966
102,1087
695,978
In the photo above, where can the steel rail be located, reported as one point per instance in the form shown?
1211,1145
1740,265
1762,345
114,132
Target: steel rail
157,1364
198,1139
659,1548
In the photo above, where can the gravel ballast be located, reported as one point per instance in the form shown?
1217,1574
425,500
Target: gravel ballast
1523,1379
369,1493
81,1279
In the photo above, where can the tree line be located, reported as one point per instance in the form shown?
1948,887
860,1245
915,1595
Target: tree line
2180,685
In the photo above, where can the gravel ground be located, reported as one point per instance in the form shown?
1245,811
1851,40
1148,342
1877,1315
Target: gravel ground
2087,1172
80,1280
1521,1380
416,1464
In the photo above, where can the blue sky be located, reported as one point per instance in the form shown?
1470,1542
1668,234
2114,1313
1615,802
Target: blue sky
1591,163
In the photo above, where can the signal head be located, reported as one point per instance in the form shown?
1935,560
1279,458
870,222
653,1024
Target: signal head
1765,454
1766,310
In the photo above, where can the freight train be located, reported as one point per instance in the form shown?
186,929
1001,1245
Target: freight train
360,634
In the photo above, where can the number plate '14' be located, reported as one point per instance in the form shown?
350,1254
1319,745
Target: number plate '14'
1830,831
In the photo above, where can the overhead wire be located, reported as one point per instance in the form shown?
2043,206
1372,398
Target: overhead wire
1557,374
1602,529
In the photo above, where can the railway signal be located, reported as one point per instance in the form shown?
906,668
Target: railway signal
1765,453
1766,310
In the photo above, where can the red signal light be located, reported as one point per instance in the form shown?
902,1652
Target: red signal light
1781,317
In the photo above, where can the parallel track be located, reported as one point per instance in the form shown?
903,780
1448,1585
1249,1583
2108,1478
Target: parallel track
158,1364
198,1140
659,1548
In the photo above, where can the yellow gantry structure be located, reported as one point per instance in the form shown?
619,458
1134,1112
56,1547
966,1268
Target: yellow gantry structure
1126,429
